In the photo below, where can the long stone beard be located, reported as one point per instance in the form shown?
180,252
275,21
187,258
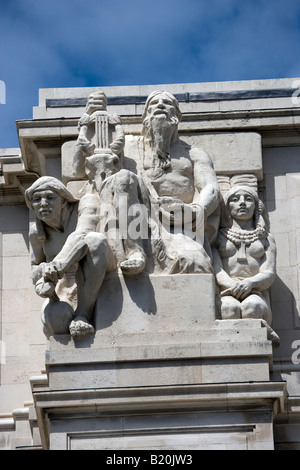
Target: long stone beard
160,130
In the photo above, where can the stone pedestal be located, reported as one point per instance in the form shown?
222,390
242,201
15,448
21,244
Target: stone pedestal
159,366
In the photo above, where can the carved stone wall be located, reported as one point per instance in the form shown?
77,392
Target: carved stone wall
251,132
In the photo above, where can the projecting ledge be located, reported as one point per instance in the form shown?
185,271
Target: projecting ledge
158,352
201,396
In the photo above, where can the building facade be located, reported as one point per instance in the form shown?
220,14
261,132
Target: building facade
184,378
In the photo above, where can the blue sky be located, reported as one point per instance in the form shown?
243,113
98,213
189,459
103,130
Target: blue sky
71,43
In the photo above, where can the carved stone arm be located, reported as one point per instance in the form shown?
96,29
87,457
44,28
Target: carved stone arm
206,183
223,279
266,276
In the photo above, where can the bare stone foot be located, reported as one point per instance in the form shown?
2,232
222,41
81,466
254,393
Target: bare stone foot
80,326
135,264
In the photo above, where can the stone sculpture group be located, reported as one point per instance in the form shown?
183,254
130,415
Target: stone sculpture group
167,217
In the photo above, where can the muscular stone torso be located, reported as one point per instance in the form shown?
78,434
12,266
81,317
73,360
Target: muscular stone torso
177,181
57,238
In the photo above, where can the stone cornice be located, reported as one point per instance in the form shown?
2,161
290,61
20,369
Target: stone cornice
259,119
14,178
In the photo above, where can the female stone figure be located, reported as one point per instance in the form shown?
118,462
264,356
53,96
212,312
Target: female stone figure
245,259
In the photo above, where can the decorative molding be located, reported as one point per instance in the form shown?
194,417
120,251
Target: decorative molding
14,179
248,430
181,97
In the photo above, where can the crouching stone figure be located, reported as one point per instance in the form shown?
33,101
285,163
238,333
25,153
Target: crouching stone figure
70,256
66,250
245,259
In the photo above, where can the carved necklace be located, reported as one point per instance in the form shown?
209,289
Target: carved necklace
243,238
238,236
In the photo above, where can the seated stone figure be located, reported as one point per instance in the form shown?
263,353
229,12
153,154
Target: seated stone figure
119,191
68,247
65,245
182,186
98,157
245,259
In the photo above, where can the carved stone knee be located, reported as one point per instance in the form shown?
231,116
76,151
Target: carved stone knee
96,241
254,307
125,181
230,308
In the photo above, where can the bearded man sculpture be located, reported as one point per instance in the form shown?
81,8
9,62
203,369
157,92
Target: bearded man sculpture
182,185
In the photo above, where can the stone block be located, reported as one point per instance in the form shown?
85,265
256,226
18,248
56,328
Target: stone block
14,371
67,150
281,160
235,369
147,304
35,301
14,218
231,152
16,273
13,394
276,186
159,330
17,314
16,338
280,217
293,184
15,243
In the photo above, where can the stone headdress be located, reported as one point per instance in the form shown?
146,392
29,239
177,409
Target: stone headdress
260,222
48,183
43,184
